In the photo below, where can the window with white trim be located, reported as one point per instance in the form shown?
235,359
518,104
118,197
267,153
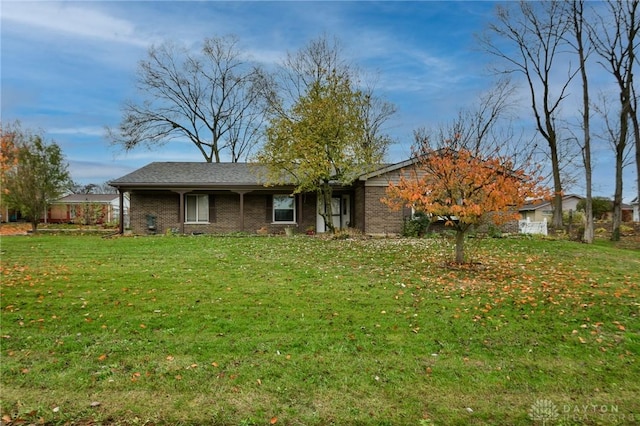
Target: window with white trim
284,209
196,208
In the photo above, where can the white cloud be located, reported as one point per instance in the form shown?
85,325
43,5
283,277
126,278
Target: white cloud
81,130
95,172
76,20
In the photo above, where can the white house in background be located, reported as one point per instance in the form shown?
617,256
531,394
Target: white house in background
635,204
541,210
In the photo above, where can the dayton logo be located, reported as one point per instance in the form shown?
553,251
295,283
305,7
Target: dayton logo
544,411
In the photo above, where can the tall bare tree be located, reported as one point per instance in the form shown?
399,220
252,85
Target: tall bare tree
578,39
527,38
614,38
213,98
484,128
636,137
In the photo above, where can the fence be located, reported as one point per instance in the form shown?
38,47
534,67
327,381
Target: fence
528,227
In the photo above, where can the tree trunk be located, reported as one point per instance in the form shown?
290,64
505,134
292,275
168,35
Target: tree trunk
460,246
636,139
577,12
327,214
557,187
620,148
588,226
617,197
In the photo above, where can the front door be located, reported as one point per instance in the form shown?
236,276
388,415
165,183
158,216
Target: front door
340,212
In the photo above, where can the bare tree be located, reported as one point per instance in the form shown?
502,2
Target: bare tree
213,98
615,42
92,188
636,137
314,63
528,39
579,41
484,129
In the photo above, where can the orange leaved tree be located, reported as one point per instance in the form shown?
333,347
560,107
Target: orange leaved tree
8,161
464,189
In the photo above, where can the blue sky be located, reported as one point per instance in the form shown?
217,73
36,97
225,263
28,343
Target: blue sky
67,67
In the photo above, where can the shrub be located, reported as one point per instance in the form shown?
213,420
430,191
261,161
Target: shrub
416,226
573,217
626,230
345,234
494,231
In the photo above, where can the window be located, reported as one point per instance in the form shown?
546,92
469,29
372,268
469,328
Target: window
197,208
284,208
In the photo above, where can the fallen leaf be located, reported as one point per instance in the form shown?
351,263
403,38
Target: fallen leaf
273,420
102,357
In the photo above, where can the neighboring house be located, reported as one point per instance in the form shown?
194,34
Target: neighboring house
635,205
232,197
10,215
87,209
540,210
626,212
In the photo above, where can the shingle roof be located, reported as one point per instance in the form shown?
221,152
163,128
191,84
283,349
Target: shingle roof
87,198
536,204
192,174
201,174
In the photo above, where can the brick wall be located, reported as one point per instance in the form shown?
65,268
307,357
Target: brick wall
226,213
164,206
358,207
379,218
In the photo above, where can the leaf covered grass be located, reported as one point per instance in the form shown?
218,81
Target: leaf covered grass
311,331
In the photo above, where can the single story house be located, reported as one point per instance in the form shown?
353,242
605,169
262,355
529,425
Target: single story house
199,197
539,210
87,209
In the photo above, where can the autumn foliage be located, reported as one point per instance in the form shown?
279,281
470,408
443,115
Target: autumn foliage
8,154
464,190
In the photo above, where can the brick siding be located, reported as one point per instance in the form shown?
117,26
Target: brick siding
165,207
379,219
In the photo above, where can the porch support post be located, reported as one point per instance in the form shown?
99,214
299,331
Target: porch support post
121,213
242,212
241,218
181,210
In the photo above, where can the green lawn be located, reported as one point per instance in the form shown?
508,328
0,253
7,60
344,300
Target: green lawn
310,331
